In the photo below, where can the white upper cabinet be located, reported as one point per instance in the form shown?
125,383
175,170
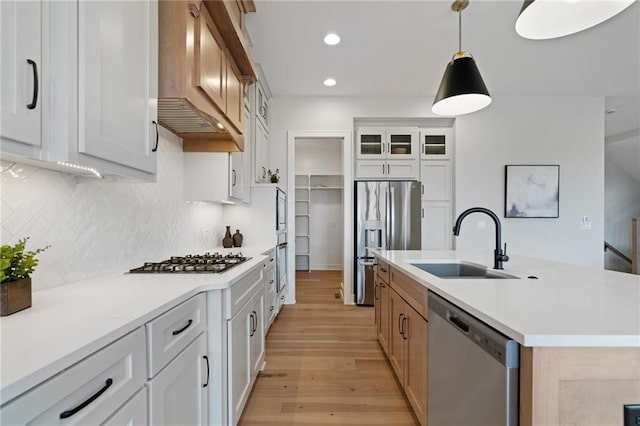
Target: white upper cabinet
376,143
262,106
94,65
116,49
21,82
435,143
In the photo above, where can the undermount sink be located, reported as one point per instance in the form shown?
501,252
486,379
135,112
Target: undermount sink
461,270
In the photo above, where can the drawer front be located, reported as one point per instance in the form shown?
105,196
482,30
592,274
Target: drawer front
242,291
171,332
383,270
414,293
89,391
133,413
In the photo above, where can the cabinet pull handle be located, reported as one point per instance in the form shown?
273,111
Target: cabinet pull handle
34,98
206,358
388,168
155,148
400,324
251,325
69,413
255,327
233,177
404,336
271,309
176,332
383,169
375,292
383,270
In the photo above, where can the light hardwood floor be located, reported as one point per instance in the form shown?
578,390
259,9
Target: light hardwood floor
324,365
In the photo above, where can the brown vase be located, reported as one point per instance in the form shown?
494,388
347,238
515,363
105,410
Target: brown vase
237,239
15,296
227,241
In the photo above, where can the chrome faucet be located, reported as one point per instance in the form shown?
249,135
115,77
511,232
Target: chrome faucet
499,255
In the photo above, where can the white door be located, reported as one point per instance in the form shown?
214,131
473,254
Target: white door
21,70
436,180
403,169
261,153
402,143
239,366
179,394
437,231
257,334
371,143
132,413
118,79
371,168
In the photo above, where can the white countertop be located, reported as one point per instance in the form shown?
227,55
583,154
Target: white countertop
566,306
66,324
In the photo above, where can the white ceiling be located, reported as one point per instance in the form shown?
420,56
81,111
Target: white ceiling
400,48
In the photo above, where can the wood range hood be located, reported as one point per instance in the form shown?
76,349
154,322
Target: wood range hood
204,71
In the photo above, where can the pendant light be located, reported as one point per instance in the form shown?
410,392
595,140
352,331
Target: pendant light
462,89
545,19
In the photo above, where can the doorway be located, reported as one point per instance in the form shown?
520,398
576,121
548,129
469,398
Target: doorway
319,206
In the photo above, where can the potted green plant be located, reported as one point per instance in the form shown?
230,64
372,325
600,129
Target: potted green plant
16,266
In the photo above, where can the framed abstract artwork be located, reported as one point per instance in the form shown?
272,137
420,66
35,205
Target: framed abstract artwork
532,191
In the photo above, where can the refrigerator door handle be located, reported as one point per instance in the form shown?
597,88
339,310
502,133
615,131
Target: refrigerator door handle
387,219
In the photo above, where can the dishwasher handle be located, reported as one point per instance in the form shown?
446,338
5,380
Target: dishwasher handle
453,319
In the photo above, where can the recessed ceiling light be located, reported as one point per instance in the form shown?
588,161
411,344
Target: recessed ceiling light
332,39
329,82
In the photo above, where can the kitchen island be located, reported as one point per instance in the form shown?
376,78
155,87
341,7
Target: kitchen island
578,327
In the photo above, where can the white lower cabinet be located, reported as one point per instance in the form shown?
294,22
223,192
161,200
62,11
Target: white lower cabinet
245,333
87,393
133,413
178,395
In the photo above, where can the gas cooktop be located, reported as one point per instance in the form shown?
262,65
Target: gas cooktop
197,263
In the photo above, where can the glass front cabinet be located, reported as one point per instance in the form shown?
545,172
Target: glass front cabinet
435,143
377,143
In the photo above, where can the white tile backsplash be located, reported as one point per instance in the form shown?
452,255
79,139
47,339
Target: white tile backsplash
96,227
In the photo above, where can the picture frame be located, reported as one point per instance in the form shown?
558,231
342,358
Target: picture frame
532,191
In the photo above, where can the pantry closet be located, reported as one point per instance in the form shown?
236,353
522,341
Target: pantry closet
319,209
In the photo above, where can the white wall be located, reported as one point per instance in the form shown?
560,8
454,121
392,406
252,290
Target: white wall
622,203
565,131
568,132
97,227
319,156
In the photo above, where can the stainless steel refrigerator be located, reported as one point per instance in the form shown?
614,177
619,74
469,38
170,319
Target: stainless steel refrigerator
388,216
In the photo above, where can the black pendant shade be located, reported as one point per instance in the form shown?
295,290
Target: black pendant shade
462,89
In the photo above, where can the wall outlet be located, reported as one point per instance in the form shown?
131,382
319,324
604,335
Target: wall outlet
631,415
585,224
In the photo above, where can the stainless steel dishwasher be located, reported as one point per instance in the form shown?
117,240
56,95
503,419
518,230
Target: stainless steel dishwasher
472,370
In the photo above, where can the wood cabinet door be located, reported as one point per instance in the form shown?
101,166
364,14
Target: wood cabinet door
376,303
234,95
21,46
179,394
415,379
396,353
118,81
384,317
209,56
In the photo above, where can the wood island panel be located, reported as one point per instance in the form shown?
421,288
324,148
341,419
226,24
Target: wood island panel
414,293
577,386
